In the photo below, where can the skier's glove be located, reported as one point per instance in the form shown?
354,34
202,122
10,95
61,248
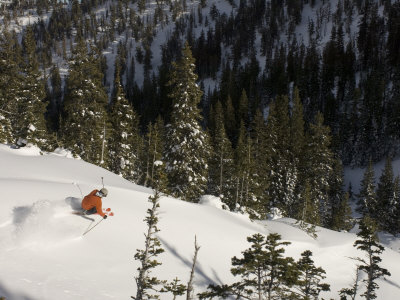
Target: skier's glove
105,217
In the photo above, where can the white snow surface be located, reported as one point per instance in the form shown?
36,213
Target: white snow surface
43,254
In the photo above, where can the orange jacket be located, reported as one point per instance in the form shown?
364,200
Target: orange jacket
91,201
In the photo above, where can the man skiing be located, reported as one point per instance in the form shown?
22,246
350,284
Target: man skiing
92,203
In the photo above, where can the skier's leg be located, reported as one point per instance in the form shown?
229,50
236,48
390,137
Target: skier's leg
91,211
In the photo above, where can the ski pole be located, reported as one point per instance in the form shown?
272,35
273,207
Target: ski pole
77,185
93,227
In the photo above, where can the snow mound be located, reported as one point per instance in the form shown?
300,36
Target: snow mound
210,200
63,152
275,214
28,150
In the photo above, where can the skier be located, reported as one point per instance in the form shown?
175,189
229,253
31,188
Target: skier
92,203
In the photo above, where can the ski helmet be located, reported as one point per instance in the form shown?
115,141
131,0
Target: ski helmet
104,192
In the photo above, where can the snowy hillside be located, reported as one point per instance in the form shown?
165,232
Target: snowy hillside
44,256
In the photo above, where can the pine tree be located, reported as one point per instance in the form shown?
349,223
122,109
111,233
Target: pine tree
265,273
84,115
259,139
154,148
221,181
243,166
385,197
125,140
6,135
309,284
369,243
319,161
55,98
342,215
394,211
175,288
367,201
11,80
296,150
146,284
31,125
308,213
339,200
230,121
281,172
187,146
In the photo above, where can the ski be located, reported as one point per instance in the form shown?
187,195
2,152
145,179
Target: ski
107,211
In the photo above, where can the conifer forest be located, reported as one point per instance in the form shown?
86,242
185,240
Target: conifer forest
260,102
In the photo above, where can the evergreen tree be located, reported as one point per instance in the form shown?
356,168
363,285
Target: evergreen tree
10,84
55,98
265,273
84,114
319,160
296,149
308,212
309,284
175,288
31,125
367,199
342,215
146,284
281,172
154,148
230,122
259,139
187,146
6,135
125,140
221,180
340,208
394,210
385,197
369,243
243,166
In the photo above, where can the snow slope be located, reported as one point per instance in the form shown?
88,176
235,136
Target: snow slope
44,256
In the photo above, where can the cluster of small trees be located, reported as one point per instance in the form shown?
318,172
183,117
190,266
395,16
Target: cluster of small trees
263,270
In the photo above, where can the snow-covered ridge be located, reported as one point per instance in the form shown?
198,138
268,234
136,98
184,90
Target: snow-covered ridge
44,256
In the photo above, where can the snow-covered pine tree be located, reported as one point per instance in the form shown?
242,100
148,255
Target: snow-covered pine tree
221,180
10,83
339,200
259,139
281,172
394,213
84,114
366,198
187,144
319,161
308,212
243,166
125,140
6,135
296,144
31,124
386,199
369,243
154,149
